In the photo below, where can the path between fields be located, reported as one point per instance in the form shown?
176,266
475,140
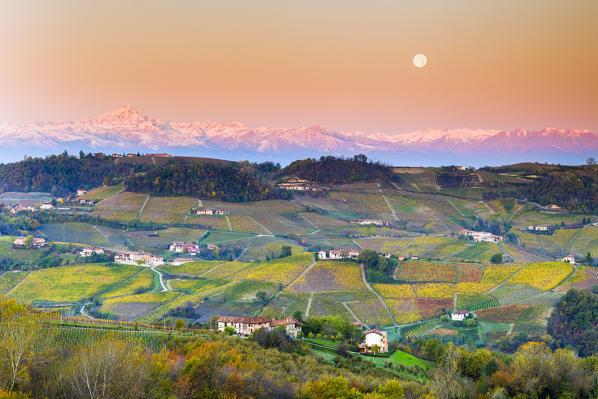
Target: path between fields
261,225
394,214
84,313
488,207
101,232
369,287
311,297
143,206
454,207
164,287
303,273
230,227
354,315
17,284
211,268
572,239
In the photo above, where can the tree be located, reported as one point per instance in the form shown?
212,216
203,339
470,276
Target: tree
496,258
262,296
20,337
286,251
591,161
29,242
589,259
331,388
446,380
392,389
107,369
179,324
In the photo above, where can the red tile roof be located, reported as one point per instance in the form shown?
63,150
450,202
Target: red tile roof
284,322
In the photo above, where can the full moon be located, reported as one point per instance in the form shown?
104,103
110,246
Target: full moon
420,60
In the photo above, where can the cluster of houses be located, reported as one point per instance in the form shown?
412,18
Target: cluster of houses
569,258
338,254
32,206
129,155
181,247
20,242
246,325
297,184
370,222
87,252
211,211
138,258
478,236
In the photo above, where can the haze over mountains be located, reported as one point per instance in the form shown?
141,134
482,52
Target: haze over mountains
126,130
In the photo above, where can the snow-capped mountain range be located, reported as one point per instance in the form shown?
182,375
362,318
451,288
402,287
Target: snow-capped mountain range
126,130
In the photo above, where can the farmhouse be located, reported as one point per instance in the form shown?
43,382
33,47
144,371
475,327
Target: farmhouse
116,155
81,192
243,325
46,206
85,252
36,243
182,247
291,326
138,258
537,228
338,254
569,258
375,341
481,236
210,211
459,315
246,325
370,222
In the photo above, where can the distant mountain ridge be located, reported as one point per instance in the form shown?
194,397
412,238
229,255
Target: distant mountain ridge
126,129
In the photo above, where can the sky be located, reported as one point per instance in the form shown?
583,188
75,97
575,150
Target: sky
346,65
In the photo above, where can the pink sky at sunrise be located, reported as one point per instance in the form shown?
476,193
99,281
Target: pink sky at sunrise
346,65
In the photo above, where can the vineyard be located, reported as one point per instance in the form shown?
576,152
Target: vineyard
498,274
469,273
279,271
446,290
190,268
403,311
395,291
10,279
101,193
121,206
144,279
503,314
167,209
473,302
543,275
426,271
70,283
419,330
330,276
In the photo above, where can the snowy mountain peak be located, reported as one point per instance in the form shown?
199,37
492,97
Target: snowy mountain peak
126,128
